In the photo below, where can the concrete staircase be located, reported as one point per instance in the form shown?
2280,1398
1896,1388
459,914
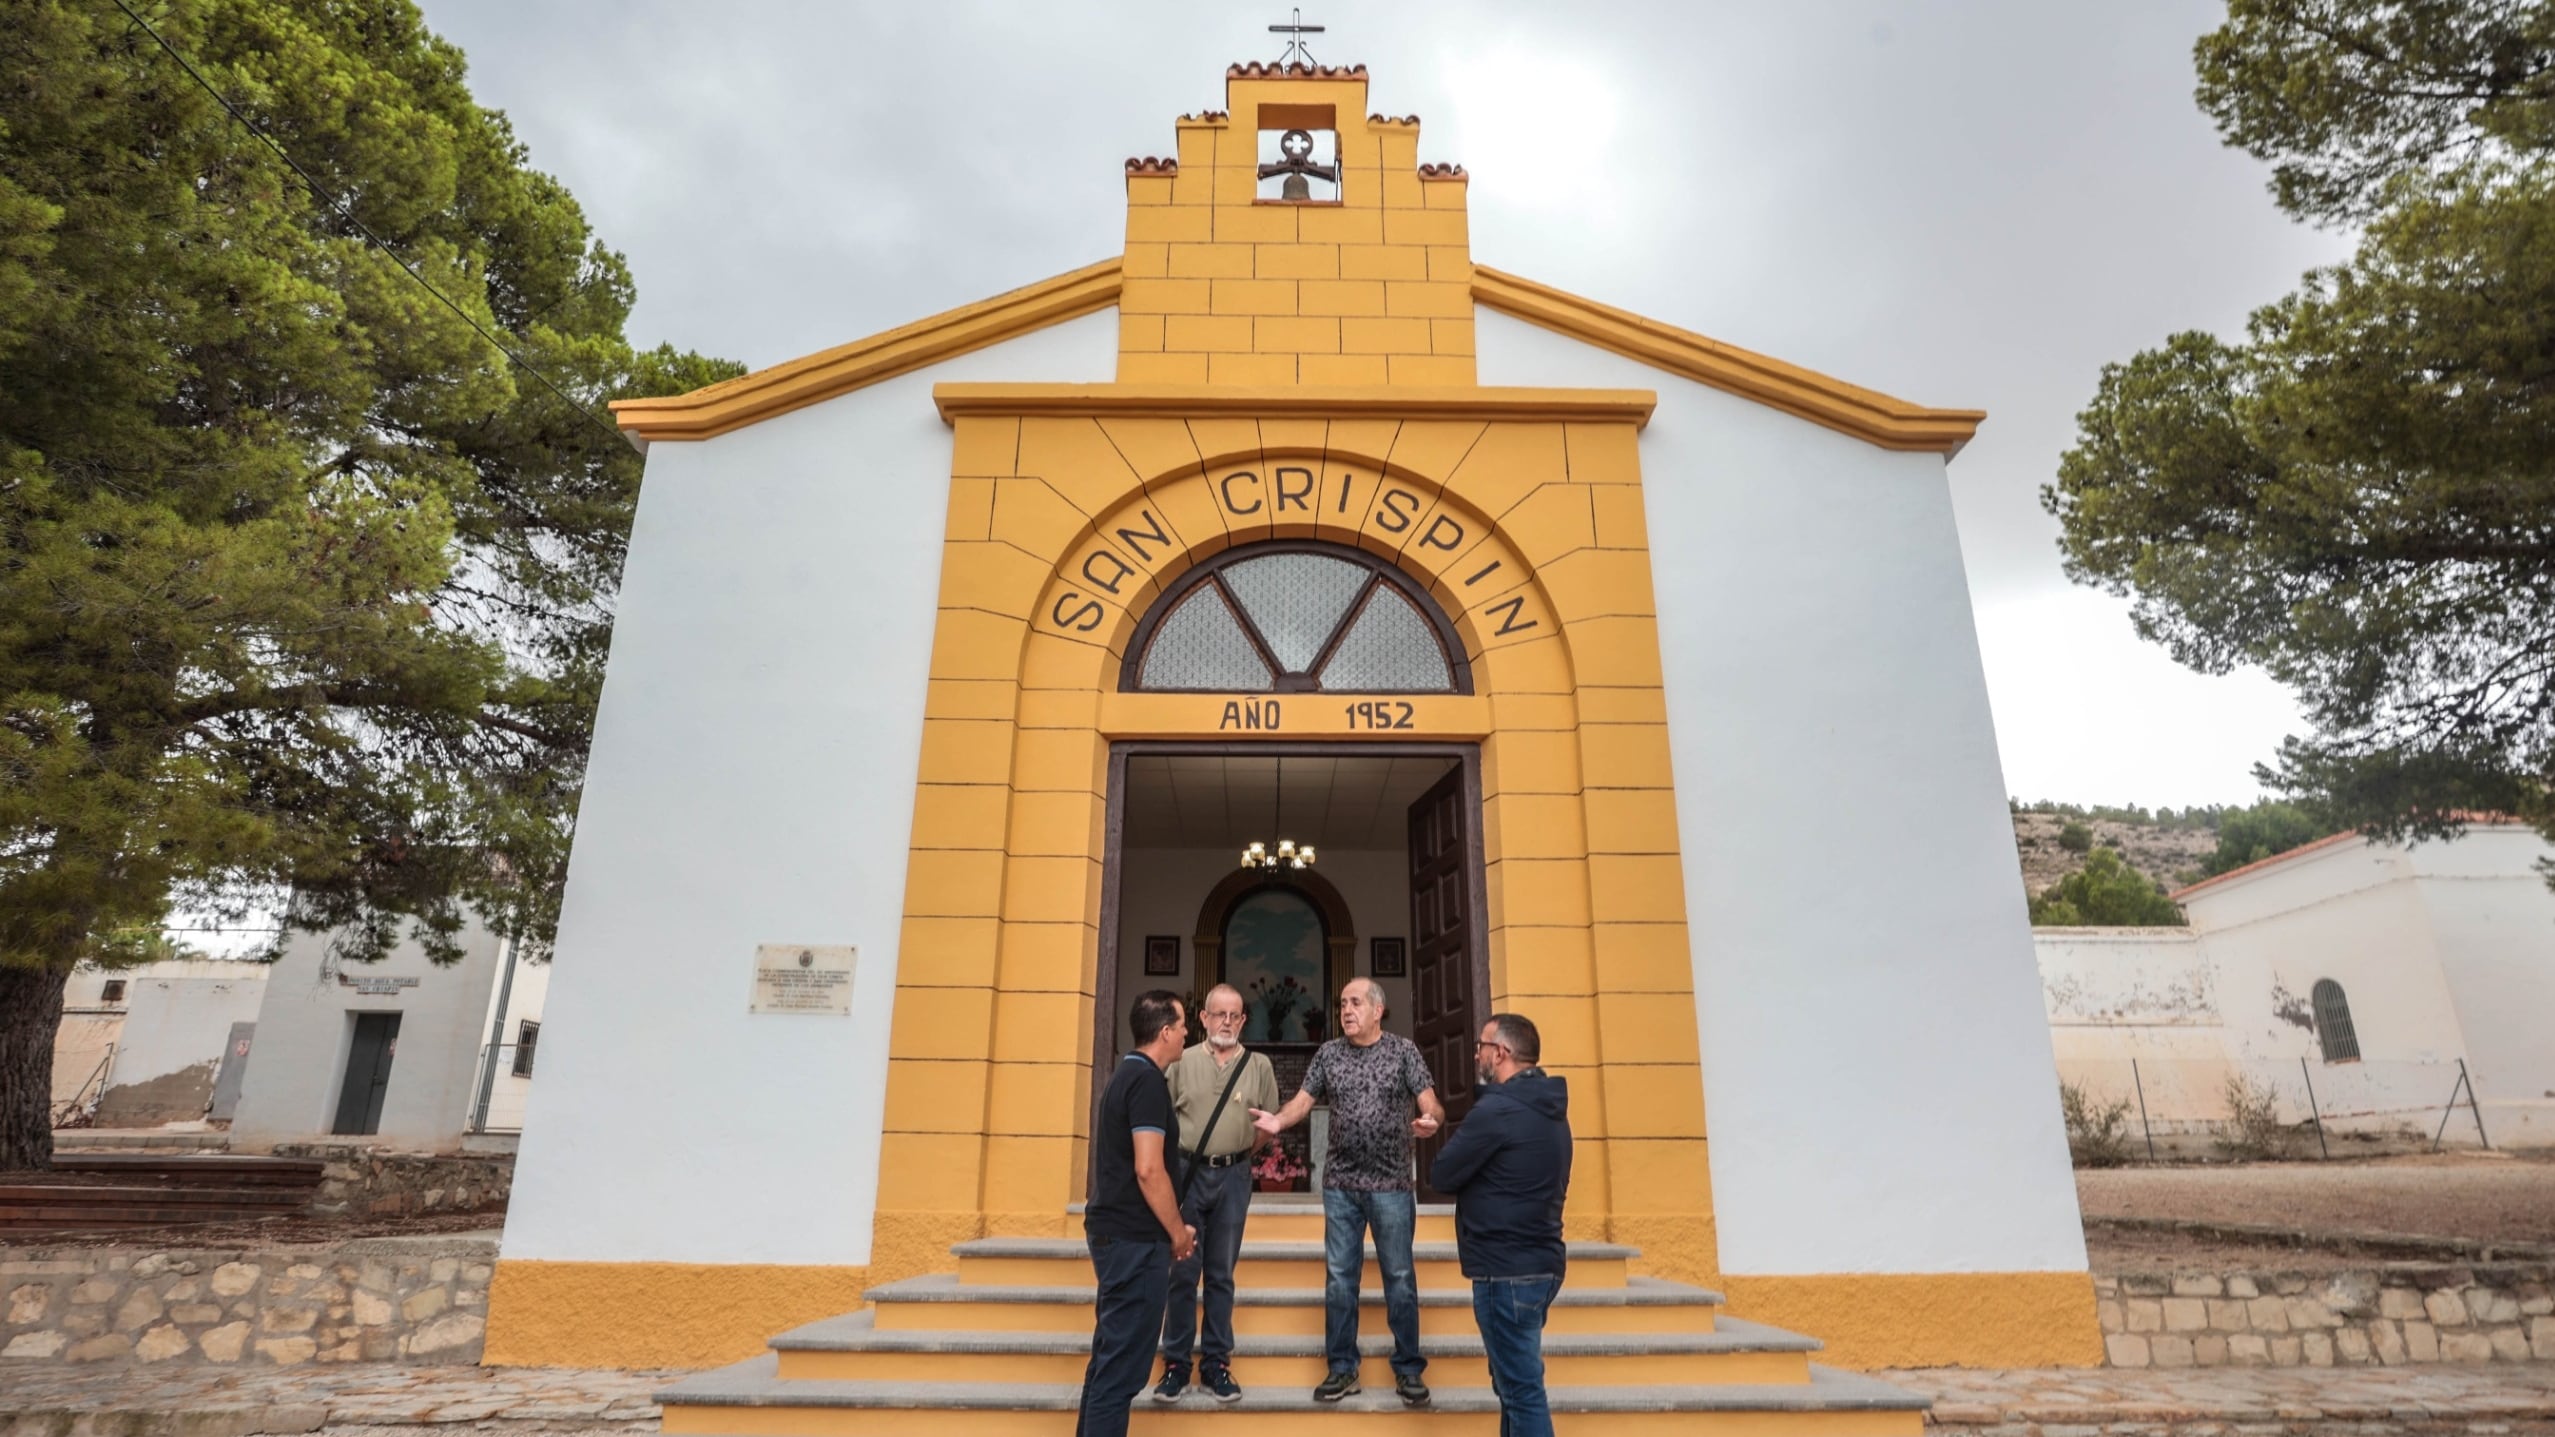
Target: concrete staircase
998,1348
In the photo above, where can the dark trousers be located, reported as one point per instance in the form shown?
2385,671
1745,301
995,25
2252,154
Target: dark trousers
1510,1313
1133,1277
1218,1203
1346,1219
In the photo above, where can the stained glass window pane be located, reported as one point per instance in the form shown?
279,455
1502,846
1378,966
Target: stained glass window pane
1295,600
1202,646
1390,649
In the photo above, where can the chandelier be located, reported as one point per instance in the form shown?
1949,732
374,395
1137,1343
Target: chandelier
1288,854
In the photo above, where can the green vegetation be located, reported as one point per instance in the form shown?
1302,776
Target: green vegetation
2105,893
2249,835
307,586
2097,1132
2357,495
2076,837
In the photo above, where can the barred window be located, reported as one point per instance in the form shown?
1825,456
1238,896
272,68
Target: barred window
527,1038
1293,617
2333,1023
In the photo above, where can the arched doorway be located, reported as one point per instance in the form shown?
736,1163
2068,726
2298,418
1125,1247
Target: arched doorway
1288,1007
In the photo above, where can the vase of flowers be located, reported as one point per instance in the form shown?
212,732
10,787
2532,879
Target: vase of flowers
1276,1002
1277,1170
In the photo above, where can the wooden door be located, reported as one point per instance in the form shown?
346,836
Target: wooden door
1443,1020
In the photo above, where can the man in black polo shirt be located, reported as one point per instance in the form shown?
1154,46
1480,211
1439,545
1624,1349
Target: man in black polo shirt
1132,1217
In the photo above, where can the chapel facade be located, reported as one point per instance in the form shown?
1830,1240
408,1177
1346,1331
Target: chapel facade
982,651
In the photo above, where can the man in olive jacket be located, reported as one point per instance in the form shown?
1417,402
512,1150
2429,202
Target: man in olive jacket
1508,1166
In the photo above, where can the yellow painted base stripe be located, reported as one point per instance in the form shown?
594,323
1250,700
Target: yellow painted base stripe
654,1314
1210,1421
1931,1319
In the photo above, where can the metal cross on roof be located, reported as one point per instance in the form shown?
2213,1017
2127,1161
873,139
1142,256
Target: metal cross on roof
1295,33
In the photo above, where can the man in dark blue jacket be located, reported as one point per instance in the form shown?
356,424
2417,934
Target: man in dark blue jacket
1508,1166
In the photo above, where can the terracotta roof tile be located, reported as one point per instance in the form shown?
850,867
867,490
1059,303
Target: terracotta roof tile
1207,117
1443,172
1390,120
1257,69
1149,165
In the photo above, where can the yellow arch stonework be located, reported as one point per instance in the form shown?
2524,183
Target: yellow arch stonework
1285,371
1062,527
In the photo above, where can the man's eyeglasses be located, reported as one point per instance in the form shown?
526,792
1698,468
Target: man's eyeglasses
1481,1043
1221,1017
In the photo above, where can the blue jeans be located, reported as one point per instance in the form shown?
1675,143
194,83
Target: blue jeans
1346,1217
1218,1202
1134,1278
1510,1313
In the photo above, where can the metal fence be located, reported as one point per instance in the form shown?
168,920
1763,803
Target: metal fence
81,1108
2155,1108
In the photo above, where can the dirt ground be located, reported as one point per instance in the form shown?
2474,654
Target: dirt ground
2469,1196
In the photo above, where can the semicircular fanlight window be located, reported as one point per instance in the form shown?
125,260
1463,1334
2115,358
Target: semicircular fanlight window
1296,601
1390,649
1296,620
1202,646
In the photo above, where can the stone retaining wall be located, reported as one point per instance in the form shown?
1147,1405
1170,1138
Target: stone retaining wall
380,1182
2390,1314
418,1300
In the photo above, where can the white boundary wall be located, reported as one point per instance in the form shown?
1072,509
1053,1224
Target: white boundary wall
752,782
1823,678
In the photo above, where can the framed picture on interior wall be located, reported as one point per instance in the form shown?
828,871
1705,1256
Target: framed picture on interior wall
1388,958
1162,955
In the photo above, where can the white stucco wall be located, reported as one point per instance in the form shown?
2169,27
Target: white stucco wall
507,1094
2133,1016
752,782
2348,912
305,1034
2493,926
2445,951
1877,1065
177,1018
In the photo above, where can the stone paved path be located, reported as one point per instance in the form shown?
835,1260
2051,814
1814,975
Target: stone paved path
60,1398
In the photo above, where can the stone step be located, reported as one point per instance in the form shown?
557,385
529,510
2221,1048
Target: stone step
854,1348
1297,1217
1053,1260
941,1303
750,1399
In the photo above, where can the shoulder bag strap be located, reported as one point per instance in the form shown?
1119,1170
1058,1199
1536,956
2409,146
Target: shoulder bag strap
1189,1169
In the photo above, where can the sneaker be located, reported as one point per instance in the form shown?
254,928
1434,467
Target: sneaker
1175,1380
1412,1391
1336,1386
1221,1383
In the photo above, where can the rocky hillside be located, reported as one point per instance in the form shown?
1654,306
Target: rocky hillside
2171,856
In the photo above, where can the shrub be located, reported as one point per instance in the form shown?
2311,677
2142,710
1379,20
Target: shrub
2106,893
2076,838
2097,1132
2253,1131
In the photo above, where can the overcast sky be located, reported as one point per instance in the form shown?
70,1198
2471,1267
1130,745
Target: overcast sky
1966,204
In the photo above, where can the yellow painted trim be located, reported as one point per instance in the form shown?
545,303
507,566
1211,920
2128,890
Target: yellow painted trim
654,1314
1432,717
750,398
1213,401
1870,416
1931,1319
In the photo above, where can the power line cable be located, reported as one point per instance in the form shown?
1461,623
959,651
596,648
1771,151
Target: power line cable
325,198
